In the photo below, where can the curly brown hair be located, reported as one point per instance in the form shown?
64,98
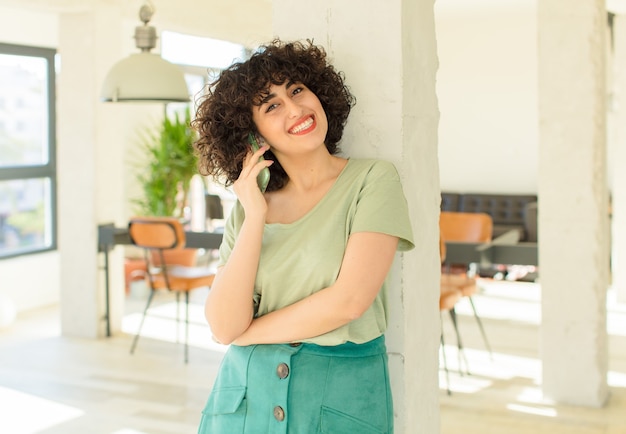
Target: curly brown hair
224,116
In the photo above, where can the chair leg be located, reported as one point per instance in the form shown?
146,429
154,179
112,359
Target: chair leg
461,350
480,326
186,326
145,311
445,362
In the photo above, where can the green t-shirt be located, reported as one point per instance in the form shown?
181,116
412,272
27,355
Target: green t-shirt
300,258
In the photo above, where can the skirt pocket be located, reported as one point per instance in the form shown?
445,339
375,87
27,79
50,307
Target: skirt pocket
224,412
336,422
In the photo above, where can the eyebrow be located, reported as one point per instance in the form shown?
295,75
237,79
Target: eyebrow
266,98
269,96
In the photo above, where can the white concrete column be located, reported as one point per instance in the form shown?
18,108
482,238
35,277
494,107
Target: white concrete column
618,158
573,200
388,53
90,163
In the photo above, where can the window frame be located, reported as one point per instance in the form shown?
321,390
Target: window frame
48,170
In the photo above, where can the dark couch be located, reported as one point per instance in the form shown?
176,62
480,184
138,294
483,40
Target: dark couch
508,211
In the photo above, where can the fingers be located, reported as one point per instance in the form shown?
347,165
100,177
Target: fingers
256,168
253,164
259,153
253,158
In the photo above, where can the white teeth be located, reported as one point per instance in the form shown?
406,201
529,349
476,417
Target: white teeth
303,126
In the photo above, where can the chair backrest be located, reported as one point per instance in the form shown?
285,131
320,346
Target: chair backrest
184,257
163,239
156,232
466,227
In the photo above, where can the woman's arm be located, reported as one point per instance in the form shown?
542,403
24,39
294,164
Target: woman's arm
229,309
367,260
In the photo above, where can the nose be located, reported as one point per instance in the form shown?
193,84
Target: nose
293,109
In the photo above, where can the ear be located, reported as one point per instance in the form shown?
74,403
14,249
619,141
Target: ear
261,140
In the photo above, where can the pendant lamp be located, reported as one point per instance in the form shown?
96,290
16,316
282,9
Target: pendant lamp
144,76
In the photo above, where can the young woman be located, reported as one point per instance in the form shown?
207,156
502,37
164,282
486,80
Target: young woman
300,293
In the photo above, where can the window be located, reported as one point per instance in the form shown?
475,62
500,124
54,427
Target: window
27,150
198,51
202,59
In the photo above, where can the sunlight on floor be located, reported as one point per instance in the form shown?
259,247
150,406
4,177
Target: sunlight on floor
515,380
24,413
537,411
484,371
531,401
512,303
161,323
616,379
511,379
521,302
532,395
128,431
501,367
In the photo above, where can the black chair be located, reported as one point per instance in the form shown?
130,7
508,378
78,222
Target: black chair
214,210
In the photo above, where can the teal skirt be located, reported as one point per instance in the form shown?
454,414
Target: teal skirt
301,389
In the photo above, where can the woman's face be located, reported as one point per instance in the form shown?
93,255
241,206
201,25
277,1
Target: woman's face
291,119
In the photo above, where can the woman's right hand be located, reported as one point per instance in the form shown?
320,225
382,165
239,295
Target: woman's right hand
246,187
229,307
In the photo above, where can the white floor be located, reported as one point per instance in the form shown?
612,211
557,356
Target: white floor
56,385
503,393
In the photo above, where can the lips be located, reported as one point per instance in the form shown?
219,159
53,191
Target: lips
304,126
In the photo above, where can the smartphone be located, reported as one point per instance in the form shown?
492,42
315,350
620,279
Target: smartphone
264,176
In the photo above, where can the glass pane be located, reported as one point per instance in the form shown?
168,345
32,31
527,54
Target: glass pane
23,111
195,83
25,215
195,50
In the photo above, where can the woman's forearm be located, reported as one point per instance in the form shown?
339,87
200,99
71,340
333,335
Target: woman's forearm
366,263
324,311
229,307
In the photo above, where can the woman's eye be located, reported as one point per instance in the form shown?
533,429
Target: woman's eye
297,90
270,107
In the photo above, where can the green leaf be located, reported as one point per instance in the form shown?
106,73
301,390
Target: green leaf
171,165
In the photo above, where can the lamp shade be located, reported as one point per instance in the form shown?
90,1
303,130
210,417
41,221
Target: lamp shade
144,77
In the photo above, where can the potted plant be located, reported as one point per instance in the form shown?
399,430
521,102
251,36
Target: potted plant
164,170
170,165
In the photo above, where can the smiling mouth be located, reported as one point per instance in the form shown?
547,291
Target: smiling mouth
303,126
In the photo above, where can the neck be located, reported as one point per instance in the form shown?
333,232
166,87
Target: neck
308,172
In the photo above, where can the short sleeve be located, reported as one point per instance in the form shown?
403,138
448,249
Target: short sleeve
231,230
382,206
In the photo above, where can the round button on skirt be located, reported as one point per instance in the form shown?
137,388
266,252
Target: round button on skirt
301,389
